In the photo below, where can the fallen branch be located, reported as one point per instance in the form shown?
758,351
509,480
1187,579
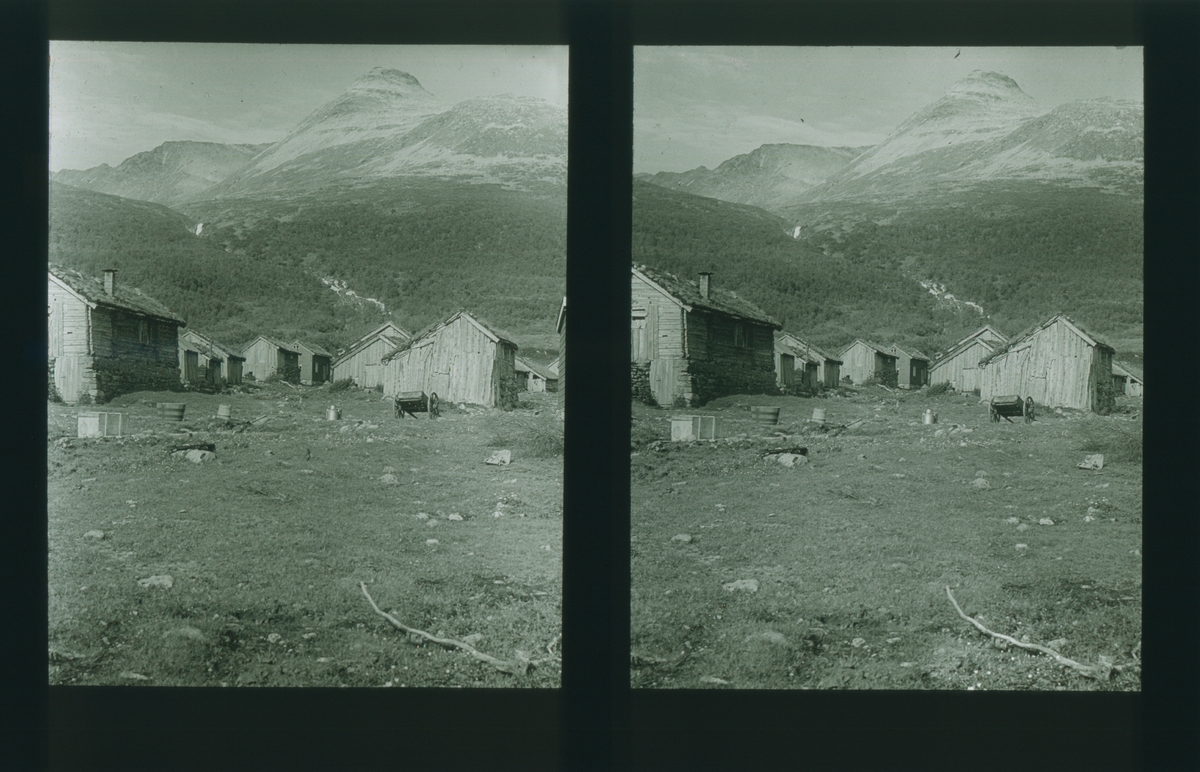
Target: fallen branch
516,668
1091,671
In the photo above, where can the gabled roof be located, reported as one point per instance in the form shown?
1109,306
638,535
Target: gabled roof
790,344
91,291
523,365
911,353
389,331
277,344
208,346
1038,328
974,338
720,301
878,348
1126,371
430,329
312,348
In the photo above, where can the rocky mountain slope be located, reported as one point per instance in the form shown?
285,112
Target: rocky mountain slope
169,174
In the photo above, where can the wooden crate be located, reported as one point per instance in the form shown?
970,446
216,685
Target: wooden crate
694,427
101,424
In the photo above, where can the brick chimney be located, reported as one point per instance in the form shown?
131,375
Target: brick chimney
705,283
110,281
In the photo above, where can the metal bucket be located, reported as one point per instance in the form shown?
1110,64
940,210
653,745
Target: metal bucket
819,414
332,414
223,412
172,411
768,416
930,417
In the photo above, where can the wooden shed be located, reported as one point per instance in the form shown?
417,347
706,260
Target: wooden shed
691,342
1125,381
203,360
912,367
265,357
460,359
105,340
1056,363
803,365
534,378
362,361
315,363
863,360
959,366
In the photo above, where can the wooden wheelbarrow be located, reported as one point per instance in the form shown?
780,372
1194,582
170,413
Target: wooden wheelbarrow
413,402
1008,406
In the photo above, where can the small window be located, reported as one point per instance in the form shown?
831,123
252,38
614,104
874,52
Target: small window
743,336
143,331
639,312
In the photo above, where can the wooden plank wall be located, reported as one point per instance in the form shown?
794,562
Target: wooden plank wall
1054,367
660,334
364,367
458,362
961,371
858,362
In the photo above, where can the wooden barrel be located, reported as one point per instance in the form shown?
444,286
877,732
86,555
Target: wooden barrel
172,411
768,416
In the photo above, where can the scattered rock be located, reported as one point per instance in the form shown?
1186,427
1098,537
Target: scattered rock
200,456
857,643
1023,527
1045,521
712,680
682,537
186,634
1088,519
422,516
94,534
1022,546
770,636
981,473
940,433
1013,521
431,542
388,479
981,483
157,581
749,585
473,639
432,521
274,638
132,676
792,459
454,516
389,469
500,458
893,640
308,636
1095,461
1057,643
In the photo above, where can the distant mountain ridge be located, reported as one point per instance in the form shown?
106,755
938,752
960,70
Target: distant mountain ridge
169,174
766,177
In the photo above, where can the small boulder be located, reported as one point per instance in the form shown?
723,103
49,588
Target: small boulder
184,634
388,479
422,516
770,636
792,459
94,534
157,581
1094,461
1013,521
200,456
981,483
712,680
1023,527
745,585
454,516
431,542
1045,521
683,538
1022,546
500,458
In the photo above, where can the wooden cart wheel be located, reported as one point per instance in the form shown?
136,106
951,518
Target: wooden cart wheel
433,405
1028,410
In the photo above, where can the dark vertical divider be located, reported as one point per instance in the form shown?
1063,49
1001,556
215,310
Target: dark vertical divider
596,486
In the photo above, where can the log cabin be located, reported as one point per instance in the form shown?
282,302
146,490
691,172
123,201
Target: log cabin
959,366
912,367
534,378
105,340
691,342
361,362
203,360
1057,363
1125,381
460,359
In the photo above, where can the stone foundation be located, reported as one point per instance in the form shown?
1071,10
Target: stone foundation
122,376
639,377
710,380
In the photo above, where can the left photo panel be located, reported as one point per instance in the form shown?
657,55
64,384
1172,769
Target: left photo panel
305,310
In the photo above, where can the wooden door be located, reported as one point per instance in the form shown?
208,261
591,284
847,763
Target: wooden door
787,370
191,366
664,379
68,377
810,375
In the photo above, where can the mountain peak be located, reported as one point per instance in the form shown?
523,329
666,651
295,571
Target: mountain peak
396,82
988,84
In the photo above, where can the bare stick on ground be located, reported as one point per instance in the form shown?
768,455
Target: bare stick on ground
508,666
1091,671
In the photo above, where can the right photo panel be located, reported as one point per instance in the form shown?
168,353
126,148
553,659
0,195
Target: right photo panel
886,332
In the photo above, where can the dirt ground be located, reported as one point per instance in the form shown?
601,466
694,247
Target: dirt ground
832,572
244,569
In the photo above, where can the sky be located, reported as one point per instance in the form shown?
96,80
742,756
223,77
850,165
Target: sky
109,101
699,106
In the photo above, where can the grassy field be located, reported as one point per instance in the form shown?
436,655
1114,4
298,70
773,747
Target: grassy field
266,544
852,551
